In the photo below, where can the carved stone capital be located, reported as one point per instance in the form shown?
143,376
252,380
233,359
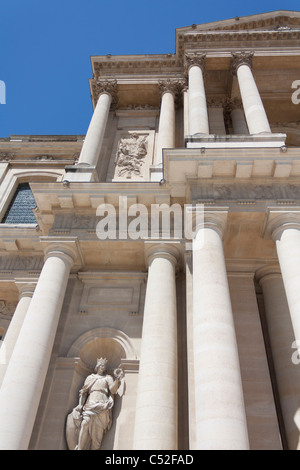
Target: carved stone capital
216,102
106,86
174,86
232,104
195,58
241,58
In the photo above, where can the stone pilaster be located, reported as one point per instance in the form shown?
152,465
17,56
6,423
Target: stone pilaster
234,108
216,116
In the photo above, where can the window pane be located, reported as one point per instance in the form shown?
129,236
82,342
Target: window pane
20,208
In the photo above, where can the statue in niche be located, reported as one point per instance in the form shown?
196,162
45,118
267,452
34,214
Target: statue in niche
131,154
92,417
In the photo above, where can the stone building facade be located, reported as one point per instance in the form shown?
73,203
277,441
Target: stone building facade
203,322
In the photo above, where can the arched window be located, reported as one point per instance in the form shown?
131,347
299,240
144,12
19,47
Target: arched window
20,209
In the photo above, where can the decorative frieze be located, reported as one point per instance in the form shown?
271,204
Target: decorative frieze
6,309
247,192
21,263
6,157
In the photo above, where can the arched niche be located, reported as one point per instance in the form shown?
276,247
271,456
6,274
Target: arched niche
102,342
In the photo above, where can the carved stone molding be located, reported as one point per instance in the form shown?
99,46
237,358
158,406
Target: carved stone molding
241,58
6,310
231,104
6,157
138,107
194,58
293,124
216,102
245,192
21,263
106,86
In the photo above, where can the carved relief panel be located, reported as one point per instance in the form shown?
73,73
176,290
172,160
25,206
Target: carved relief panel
132,155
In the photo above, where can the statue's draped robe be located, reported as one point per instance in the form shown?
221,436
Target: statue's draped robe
96,411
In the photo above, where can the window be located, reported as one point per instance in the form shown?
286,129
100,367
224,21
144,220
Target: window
20,210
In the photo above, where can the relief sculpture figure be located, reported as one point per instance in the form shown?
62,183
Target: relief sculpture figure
92,417
130,155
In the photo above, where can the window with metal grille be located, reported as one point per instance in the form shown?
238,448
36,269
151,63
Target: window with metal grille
20,210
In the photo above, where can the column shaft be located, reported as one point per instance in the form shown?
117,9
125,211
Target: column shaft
156,408
281,337
220,414
239,122
216,120
198,115
166,131
24,379
288,250
13,331
91,148
254,110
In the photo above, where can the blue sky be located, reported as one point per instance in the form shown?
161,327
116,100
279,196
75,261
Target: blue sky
46,46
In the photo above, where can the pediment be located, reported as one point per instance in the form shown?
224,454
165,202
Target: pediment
276,20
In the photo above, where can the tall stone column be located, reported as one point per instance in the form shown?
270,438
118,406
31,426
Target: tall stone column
156,407
253,107
219,402
166,130
23,382
198,115
285,230
92,145
185,97
281,335
26,289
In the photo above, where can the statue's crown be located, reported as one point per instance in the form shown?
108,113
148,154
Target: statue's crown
102,361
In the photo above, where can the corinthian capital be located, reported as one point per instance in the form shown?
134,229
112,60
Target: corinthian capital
106,86
195,58
174,86
241,58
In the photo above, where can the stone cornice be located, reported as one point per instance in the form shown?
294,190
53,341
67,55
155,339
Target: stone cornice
280,27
